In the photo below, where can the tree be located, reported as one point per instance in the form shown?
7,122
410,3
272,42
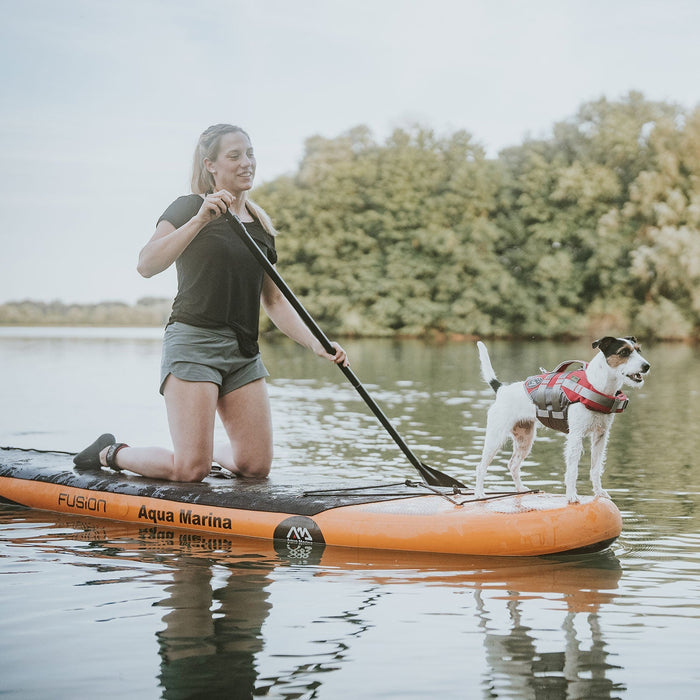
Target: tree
594,229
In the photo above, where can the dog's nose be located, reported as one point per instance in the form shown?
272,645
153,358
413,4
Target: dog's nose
646,367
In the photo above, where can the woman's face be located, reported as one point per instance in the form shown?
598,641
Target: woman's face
234,167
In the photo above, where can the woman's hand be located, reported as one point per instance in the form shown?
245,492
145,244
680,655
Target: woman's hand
167,243
285,317
215,204
340,357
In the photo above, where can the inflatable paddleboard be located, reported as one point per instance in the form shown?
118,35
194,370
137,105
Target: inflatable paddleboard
406,516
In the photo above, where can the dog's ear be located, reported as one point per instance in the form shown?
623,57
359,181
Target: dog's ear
632,339
604,343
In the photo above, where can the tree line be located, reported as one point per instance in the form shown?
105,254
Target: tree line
594,229
149,311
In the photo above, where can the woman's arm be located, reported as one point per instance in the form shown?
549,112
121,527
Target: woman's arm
166,246
283,315
168,243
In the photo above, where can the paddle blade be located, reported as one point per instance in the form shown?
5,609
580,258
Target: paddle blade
437,478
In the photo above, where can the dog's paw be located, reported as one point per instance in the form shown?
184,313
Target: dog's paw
573,498
602,494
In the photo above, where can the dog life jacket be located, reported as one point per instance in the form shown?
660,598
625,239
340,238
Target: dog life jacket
553,393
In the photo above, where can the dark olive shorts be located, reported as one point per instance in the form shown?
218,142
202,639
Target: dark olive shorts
207,355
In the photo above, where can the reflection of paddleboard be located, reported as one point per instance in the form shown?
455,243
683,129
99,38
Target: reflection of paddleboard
408,516
584,582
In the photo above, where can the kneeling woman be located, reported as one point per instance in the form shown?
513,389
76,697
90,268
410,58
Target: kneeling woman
211,362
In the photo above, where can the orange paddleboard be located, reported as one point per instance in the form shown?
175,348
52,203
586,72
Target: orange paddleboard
407,516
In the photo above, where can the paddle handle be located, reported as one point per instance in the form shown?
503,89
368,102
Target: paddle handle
430,475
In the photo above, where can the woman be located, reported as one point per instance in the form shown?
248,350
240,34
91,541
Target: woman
211,361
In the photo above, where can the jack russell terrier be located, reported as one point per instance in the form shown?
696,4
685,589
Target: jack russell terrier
580,402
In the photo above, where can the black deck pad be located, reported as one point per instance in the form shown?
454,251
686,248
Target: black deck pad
245,494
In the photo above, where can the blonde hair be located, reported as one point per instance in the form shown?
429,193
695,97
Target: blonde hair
203,181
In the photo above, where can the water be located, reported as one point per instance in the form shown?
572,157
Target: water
93,608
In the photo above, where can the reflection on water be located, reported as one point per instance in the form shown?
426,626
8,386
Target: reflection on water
217,627
146,612
212,631
518,669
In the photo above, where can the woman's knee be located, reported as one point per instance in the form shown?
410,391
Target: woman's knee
253,468
191,469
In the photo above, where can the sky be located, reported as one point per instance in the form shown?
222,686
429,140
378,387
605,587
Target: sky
103,101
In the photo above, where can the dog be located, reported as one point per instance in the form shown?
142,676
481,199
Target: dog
581,403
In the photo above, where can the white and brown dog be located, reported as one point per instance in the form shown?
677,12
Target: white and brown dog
581,403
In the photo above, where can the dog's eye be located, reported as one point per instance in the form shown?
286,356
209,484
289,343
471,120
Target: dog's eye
625,352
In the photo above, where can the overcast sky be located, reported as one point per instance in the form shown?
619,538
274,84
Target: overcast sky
103,100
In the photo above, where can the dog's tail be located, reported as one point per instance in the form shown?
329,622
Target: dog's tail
486,369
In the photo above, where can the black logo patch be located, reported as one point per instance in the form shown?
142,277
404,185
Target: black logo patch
299,530
299,540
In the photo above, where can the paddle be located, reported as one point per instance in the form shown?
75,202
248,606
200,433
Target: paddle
429,474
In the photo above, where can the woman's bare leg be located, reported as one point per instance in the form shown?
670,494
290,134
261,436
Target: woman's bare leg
191,410
245,414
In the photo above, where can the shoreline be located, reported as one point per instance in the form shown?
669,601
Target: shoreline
436,338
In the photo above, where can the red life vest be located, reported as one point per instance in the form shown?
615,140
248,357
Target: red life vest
553,393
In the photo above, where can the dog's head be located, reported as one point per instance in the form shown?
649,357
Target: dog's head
624,356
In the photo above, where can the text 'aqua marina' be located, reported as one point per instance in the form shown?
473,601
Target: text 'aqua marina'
185,517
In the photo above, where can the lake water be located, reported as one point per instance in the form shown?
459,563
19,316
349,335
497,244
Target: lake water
93,608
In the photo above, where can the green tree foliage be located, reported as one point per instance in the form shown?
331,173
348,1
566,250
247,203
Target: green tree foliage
392,238
595,229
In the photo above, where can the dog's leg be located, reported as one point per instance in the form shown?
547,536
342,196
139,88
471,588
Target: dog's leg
523,436
512,414
493,441
572,456
487,455
599,443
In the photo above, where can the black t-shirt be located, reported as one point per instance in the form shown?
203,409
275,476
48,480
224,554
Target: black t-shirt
218,280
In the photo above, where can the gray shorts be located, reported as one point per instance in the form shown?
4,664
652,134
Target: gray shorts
207,355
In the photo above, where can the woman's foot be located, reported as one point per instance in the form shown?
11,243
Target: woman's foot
89,458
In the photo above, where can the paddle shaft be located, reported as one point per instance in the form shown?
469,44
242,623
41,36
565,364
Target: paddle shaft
429,474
